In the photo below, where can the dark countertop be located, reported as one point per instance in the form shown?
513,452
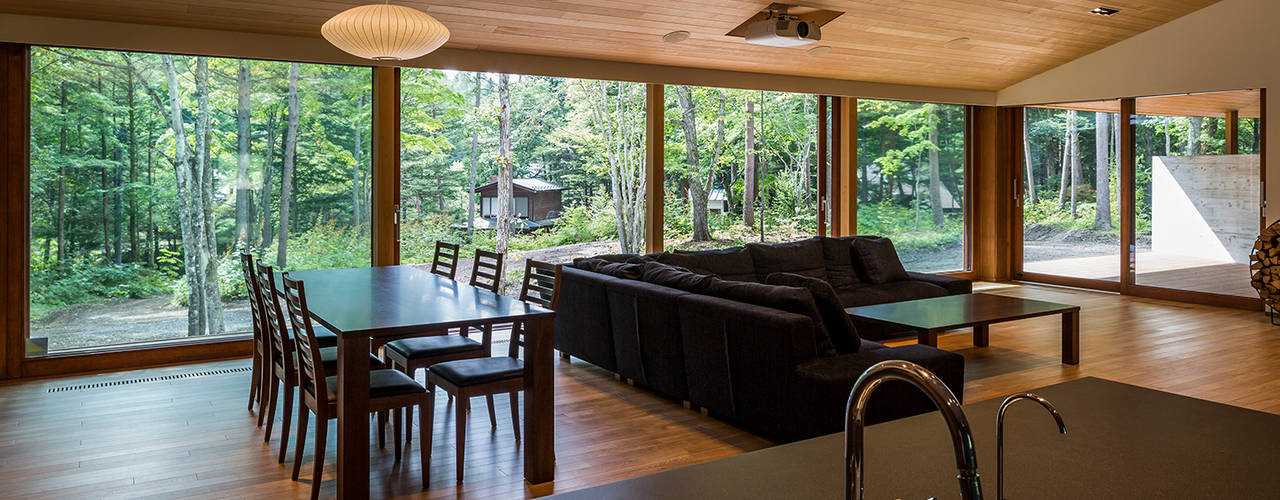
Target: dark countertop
1123,441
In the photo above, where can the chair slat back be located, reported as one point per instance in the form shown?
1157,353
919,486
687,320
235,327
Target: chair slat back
541,283
311,374
445,262
487,273
255,302
272,316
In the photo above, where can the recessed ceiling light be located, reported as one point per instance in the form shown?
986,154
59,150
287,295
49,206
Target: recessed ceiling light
1105,11
818,51
956,43
675,36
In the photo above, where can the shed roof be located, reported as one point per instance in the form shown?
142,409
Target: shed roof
535,185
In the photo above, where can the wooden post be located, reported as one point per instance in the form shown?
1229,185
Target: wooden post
654,135
822,165
1128,196
385,217
14,197
844,167
833,190
995,164
1233,132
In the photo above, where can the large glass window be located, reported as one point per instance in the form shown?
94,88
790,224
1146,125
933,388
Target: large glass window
574,150
911,180
741,166
149,170
1070,212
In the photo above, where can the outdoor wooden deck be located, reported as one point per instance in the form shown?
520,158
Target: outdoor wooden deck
1157,269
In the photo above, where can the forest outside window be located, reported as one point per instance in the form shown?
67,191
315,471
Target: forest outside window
148,171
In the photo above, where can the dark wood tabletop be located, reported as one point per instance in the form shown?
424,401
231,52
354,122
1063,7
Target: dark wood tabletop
1122,441
957,311
394,300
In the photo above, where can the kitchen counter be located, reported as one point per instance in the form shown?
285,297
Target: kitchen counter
1123,441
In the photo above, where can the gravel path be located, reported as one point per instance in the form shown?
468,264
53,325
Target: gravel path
125,321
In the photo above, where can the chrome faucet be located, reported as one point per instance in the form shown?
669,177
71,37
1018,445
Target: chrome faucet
932,386
1062,428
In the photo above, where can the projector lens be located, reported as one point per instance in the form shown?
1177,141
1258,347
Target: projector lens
802,29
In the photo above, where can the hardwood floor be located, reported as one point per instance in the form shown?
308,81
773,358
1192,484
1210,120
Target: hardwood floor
192,438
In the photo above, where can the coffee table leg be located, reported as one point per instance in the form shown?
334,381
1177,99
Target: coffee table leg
981,335
927,337
1071,337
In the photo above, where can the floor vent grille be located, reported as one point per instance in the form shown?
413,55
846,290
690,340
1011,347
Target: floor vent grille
162,378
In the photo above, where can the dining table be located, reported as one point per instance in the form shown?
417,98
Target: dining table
361,304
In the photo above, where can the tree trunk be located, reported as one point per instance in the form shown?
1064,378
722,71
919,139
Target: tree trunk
1193,135
191,234
618,119
244,190
1075,163
1102,161
471,177
749,169
505,165
358,146
935,172
286,173
152,236
697,193
268,165
1066,160
1168,137
209,255
1030,190
62,177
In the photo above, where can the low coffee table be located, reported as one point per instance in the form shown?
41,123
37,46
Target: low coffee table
932,316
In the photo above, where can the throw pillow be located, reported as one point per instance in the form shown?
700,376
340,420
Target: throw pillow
802,257
732,264
837,254
878,261
791,299
844,336
675,277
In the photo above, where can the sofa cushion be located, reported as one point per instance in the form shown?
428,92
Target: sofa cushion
844,337
797,300
837,256
675,277
889,292
732,264
626,270
802,257
877,261
954,286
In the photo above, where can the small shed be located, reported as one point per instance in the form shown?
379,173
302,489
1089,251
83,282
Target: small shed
534,199
716,200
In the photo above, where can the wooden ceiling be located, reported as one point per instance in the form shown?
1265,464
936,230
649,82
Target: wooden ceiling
1248,103
889,41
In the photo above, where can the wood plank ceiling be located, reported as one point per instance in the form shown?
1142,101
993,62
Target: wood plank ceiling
890,41
1248,103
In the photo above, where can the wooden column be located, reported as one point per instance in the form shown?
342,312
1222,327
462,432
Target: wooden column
654,134
844,166
385,217
14,197
822,165
1233,132
994,140
1128,195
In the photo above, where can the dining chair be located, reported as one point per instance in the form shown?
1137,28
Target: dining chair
487,271
467,378
445,262
282,368
389,390
258,376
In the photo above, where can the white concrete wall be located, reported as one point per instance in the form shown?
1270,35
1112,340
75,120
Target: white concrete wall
1205,206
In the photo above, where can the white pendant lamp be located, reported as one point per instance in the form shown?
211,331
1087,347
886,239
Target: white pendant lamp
385,32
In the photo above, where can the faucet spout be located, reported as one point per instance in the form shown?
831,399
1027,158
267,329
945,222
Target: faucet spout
1053,410
932,386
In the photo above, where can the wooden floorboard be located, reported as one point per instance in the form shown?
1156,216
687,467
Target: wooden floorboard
192,438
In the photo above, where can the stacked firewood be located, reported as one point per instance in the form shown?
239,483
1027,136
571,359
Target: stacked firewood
1264,265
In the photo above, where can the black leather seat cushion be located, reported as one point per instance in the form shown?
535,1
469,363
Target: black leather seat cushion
324,337
329,356
382,383
468,372
438,345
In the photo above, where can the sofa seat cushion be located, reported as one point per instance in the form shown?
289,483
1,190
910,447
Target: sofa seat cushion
897,291
877,261
843,335
675,277
469,372
732,264
792,299
802,257
837,257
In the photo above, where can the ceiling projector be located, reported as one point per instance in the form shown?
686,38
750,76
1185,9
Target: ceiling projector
783,31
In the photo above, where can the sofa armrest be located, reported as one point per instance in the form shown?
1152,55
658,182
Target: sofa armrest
953,286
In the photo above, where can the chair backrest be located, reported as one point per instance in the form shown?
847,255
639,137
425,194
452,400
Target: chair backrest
541,283
487,272
311,374
272,316
255,301
445,262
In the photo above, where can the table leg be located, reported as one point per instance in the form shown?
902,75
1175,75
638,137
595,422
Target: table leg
981,335
353,417
1071,337
927,337
539,402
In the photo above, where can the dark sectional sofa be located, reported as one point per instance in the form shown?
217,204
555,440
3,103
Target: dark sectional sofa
778,360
